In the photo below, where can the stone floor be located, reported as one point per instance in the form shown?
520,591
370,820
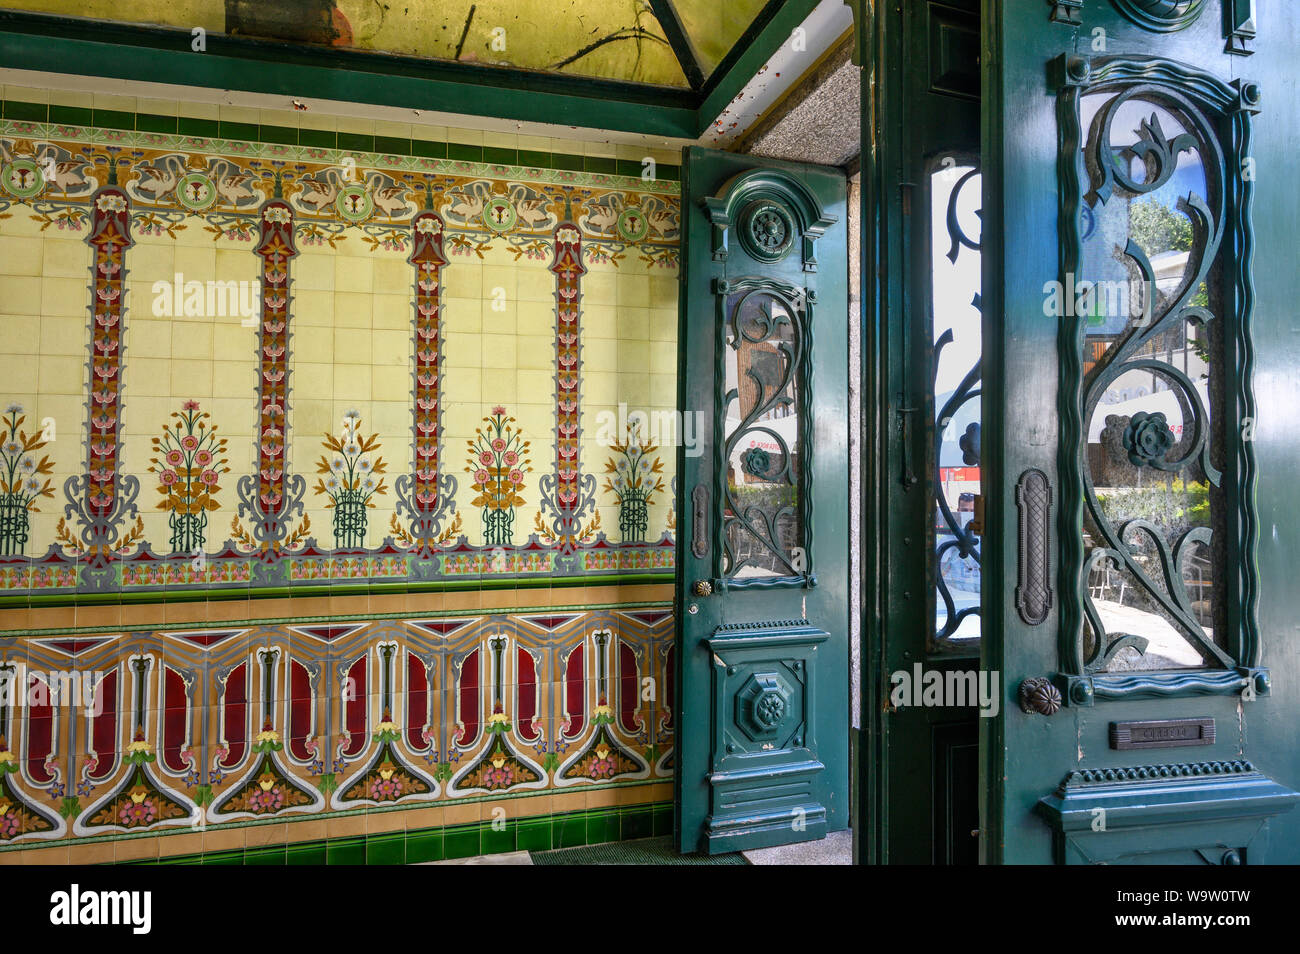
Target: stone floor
835,849
505,858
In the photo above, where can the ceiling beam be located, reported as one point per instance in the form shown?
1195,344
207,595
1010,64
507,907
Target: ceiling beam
678,39
755,47
152,54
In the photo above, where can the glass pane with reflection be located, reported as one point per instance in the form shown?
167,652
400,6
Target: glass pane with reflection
1152,385
763,356
956,356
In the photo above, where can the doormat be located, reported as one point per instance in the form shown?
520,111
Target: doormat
642,851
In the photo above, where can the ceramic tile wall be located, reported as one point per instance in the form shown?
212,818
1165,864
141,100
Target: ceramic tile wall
102,199
192,207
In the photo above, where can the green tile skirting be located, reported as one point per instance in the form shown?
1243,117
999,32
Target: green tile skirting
325,139
591,826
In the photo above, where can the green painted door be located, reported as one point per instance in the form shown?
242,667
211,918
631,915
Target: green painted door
762,714
922,351
1139,436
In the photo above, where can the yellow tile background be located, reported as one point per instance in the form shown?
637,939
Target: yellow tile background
171,359
43,325
351,349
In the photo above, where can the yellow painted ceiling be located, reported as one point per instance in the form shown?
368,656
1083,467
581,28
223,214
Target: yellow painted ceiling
604,39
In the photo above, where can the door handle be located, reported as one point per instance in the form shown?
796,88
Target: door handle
702,588
908,476
1038,695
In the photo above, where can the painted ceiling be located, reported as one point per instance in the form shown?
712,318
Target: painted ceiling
675,44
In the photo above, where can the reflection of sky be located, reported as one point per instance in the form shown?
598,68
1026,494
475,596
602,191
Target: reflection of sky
1107,230
1188,177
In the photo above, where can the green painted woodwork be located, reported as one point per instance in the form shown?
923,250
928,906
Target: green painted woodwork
916,783
1187,813
762,688
1039,774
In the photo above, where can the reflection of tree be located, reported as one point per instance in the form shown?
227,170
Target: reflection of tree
1173,505
1158,228
767,497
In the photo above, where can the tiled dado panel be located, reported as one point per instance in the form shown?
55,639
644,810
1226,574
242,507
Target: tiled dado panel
248,735
265,367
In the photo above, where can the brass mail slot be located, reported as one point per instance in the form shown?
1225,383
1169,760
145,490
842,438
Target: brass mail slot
1161,734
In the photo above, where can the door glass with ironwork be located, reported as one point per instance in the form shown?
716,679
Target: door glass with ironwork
763,517
1149,294
955,392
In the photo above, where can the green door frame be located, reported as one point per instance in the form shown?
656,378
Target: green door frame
1047,769
912,113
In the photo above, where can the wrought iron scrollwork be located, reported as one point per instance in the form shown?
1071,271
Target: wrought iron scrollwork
957,542
1148,437
1182,112
963,539
763,488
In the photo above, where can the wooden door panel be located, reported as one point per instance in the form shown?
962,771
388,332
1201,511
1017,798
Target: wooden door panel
763,714
1122,285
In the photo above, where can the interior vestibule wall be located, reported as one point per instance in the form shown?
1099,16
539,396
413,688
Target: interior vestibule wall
274,657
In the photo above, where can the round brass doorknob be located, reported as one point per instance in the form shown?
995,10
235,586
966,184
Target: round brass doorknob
702,588
1039,695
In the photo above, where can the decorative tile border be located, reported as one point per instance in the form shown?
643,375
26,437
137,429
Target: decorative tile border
144,129
232,724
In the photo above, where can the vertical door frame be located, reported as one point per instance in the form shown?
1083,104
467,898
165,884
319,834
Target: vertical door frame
894,231
877,25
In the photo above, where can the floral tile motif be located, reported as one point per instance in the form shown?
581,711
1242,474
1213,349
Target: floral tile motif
24,479
353,478
498,462
247,523
634,478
